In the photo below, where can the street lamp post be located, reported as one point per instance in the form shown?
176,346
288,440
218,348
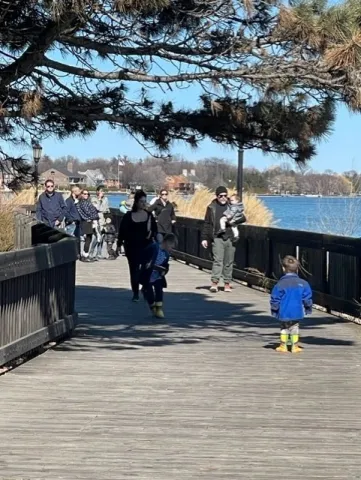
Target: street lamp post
37,149
240,172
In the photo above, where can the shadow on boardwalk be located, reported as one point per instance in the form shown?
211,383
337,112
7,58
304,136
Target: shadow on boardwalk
109,320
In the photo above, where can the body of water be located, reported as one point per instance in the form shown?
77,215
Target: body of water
337,215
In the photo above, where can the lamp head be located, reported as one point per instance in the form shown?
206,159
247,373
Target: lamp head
37,149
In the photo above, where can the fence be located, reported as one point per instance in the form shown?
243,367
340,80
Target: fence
37,289
331,263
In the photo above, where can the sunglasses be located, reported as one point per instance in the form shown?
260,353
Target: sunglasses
222,195
86,194
49,186
164,194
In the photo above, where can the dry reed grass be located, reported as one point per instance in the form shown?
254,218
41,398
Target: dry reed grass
195,207
7,210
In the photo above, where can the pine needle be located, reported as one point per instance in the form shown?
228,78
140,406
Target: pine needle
32,104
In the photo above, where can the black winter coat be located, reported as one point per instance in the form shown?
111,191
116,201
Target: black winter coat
164,215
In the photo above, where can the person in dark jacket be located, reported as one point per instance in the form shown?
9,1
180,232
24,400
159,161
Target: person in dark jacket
137,230
164,214
51,208
110,236
72,218
155,266
221,241
291,298
89,222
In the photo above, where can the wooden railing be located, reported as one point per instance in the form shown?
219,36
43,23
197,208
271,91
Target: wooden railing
37,288
331,264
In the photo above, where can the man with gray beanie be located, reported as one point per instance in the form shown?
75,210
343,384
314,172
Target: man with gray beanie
221,241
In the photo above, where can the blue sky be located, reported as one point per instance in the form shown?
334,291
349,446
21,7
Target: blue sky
340,152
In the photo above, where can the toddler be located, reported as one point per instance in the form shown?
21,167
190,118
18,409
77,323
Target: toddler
109,233
291,298
156,266
233,216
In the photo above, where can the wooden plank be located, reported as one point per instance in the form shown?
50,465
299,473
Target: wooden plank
199,395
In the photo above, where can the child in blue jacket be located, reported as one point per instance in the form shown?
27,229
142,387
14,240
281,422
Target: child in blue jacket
291,298
155,267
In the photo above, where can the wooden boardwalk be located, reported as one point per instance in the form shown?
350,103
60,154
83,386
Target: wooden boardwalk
200,396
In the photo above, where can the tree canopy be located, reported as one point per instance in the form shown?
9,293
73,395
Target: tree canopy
269,71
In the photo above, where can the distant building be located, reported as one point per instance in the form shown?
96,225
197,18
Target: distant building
62,177
179,183
7,174
93,178
110,180
188,182
193,179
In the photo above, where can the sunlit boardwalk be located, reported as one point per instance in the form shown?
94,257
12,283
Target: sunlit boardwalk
200,396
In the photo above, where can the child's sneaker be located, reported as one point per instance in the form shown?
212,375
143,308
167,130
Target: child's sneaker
282,348
214,287
296,349
159,310
227,287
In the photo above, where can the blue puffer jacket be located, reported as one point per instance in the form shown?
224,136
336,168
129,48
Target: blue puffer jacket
51,208
291,298
149,258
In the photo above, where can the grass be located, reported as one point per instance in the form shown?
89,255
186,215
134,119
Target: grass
195,207
7,210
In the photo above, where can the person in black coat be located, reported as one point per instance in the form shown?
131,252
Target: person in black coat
137,231
164,213
72,217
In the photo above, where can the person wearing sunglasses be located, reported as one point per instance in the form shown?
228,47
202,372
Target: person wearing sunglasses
220,240
164,214
51,208
89,222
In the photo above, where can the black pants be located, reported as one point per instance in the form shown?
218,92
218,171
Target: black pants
87,242
134,260
110,250
154,292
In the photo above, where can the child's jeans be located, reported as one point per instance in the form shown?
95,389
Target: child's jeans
154,292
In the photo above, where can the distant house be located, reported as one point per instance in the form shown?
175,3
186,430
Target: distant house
110,180
178,183
62,177
193,179
185,183
7,174
93,178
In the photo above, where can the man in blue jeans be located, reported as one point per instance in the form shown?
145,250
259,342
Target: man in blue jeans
51,208
223,249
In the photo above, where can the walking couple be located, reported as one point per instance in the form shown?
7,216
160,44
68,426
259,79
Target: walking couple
220,232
